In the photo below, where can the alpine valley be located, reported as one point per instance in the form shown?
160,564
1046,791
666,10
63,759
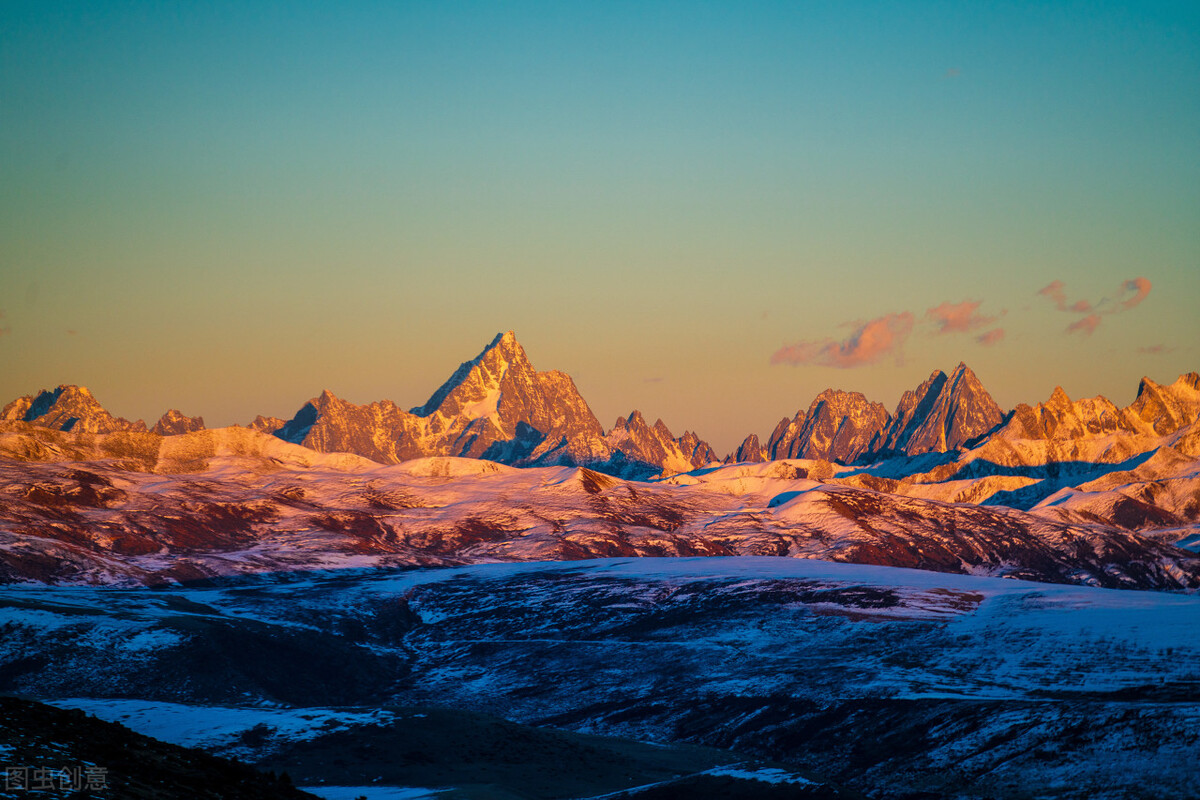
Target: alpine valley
493,595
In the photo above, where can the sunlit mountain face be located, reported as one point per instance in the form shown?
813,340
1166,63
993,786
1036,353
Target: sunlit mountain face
949,599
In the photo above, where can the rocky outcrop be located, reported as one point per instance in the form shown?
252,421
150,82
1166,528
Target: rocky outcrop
1166,409
174,422
838,426
266,424
67,408
498,399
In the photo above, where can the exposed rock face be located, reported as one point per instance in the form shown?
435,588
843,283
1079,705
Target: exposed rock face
174,422
750,451
654,448
496,406
486,401
67,408
943,414
1059,418
788,430
838,426
266,424
701,452
1166,409
380,431
1157,411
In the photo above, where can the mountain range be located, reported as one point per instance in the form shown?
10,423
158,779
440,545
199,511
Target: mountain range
873,610
498,407
1075,491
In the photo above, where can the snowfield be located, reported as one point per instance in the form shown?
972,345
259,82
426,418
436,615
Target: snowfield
893,681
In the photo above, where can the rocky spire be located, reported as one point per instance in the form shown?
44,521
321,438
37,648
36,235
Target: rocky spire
944,413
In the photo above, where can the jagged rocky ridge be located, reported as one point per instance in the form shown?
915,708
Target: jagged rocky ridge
1080,462
67,408
498,407
943,414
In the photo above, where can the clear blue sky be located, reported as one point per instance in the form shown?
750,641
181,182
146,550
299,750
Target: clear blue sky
707,211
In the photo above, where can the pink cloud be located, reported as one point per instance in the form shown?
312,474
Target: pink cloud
870,342
1056,291
1156,350
1131,293
989,338
958,317
1086,325
1140,288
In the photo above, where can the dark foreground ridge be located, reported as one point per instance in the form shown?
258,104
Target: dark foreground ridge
55,752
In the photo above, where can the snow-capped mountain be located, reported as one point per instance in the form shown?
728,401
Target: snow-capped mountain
1106,489
497,407
67,408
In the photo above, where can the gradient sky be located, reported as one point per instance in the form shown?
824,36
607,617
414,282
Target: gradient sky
706,211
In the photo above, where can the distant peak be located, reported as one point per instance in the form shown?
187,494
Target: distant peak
506,341
1146,385
1059,397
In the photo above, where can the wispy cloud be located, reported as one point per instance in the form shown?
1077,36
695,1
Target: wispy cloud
1140,288
1086,325
1056,291
989,338
1156,350
958,317
870,342
1131,293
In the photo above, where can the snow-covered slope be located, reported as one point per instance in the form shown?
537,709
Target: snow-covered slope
232,500
900,683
